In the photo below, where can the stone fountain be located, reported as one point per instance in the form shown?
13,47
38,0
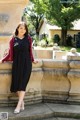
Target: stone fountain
50,81
10,15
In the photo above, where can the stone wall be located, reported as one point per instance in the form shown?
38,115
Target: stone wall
49,54
74,79
55,84
50,81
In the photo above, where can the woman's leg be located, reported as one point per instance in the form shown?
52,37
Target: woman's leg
21,95
22,104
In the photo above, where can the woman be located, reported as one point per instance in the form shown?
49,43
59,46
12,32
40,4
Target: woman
20,53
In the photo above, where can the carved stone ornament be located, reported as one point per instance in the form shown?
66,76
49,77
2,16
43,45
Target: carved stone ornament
4,18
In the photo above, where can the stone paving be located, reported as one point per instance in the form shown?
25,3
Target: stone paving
45,111
60,119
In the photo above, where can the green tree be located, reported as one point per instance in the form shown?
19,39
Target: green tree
35,14
59,12
63,13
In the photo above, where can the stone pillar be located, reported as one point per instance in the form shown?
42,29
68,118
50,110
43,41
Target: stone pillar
74,77
10,15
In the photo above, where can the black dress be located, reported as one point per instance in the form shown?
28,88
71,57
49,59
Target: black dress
22,64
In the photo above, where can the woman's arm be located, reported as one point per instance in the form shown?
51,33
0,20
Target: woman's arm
9,56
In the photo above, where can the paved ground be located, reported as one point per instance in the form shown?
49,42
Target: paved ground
44,111
61,119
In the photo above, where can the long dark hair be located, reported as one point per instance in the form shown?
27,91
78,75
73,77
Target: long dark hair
21,23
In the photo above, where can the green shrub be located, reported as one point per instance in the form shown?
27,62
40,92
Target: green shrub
42,43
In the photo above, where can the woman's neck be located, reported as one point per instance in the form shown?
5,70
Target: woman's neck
20,36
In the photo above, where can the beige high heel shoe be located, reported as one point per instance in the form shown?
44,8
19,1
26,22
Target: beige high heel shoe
16,111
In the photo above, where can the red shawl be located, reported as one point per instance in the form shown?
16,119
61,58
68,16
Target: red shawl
9,56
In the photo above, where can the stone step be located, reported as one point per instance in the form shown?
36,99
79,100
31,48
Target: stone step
44,111
54,118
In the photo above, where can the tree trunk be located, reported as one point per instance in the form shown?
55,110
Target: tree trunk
63,36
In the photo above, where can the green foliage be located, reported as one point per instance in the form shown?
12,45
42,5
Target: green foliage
35,13
63,14
63,48
42,43
39,6
59,12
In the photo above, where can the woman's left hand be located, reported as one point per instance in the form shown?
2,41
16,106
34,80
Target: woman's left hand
35,62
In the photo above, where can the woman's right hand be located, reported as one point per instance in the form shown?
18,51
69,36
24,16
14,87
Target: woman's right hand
0,61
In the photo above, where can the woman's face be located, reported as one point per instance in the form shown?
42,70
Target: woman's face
21,30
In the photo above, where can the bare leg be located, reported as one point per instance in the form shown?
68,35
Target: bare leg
22,104
21,95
